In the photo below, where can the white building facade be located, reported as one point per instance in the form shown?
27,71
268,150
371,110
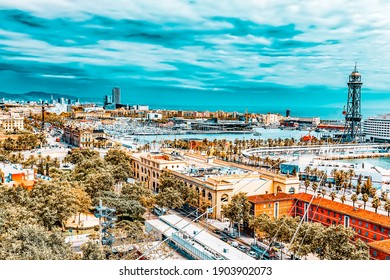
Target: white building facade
377,128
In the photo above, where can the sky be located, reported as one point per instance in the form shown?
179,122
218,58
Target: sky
206,53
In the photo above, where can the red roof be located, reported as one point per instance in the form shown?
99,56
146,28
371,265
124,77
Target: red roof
261,198
383,245
345,209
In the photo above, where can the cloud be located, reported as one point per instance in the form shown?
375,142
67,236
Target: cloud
226,46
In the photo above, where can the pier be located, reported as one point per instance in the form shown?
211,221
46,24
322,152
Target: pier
339,150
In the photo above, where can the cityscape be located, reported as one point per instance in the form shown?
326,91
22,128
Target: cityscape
220,152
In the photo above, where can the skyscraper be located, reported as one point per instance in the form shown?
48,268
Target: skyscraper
116,95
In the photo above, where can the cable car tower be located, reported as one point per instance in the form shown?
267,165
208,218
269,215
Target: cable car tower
353,116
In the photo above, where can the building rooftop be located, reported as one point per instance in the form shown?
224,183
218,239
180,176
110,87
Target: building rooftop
383,245
346,209
269,197
205,239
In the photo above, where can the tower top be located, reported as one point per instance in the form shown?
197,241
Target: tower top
355,72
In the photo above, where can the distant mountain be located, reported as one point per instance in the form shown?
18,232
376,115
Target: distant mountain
36,95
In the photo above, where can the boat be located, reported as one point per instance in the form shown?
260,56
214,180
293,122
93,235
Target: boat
257,134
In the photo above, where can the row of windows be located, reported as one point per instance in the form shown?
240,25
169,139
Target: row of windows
375,253
340,218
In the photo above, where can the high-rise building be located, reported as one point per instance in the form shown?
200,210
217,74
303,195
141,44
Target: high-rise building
107,100
116,95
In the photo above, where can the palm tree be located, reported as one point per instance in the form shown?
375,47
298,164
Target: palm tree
375,203
314,186
372,192
307,184
358,189
323,192
332,196
354,198
343,198
365,199
307,171
387,207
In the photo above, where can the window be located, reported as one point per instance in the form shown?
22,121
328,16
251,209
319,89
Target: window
316,217
366,233
387,258
334,214
353,221
374,236
382,238
375,253
360,223
328,213
375,227
382,230
366,225
359,231
269,205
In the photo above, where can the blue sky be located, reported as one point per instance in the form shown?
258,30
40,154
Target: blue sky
228,53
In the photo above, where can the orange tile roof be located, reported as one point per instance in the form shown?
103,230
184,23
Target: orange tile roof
345,209
383,245
261,198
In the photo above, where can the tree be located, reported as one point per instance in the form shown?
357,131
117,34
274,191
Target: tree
237,210
120,164
332,196
323,192
123,206
306,239
78,155
53,202
262,225
314,186
169,195
365,199
358,189
91,251
343,198
375,203
336,243
139,192
33,242
367,185
95,183
307,184
387,207
354,198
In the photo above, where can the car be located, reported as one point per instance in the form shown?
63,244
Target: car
232,235
234,244
226,229
224,239
242,248
252,254
217,231
277,245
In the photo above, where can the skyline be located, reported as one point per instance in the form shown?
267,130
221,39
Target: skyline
228,54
